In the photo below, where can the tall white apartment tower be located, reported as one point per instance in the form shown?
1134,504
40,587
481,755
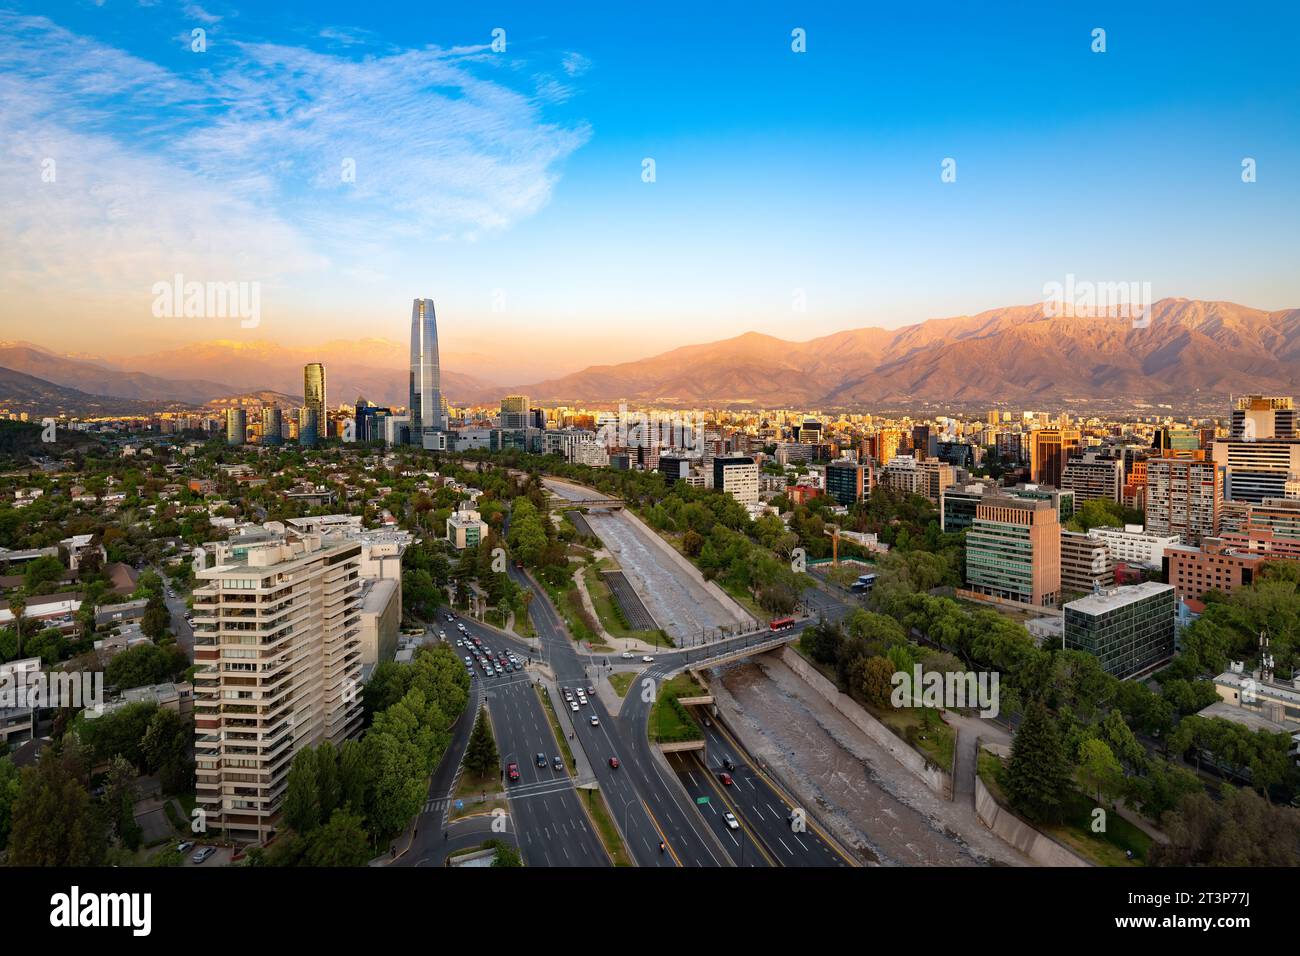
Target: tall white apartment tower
277,644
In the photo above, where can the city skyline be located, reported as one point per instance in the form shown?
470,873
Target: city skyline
548,234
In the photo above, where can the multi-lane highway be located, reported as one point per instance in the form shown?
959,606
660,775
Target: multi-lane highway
649,806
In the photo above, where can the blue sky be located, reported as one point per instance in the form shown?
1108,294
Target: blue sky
515,178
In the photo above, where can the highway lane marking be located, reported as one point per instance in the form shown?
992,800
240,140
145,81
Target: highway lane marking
816,830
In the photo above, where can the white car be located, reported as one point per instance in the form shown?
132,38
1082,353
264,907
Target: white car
627,655
595,721
573,704
732,823
647,659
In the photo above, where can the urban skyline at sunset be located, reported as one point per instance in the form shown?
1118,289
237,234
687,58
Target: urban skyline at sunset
346,170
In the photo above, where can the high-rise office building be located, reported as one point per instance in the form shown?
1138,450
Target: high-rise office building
738,477
308,427
272,425
1049,450
314,396
848,481
1263,416
277,646
1127,629
1255,469
236,426
1013,551
514,411
425,405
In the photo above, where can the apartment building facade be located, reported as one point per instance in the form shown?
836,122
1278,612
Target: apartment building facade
1184,497
278,649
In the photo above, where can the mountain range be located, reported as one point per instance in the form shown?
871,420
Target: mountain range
1184,351
1015,355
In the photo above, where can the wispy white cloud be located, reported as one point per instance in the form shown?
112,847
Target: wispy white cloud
237,167
575,64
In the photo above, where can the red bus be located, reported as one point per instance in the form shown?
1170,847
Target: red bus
781,623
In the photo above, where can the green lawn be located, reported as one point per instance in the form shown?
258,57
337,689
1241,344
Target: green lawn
1075,827
609,835
472,788
669,720
937,741
622,681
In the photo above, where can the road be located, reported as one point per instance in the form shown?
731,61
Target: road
648,804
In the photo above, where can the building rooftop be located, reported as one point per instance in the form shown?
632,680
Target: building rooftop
1112,599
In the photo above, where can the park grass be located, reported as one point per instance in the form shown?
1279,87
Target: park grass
605,828
1075,827
938,741
471,790
556,730
622,681
669,722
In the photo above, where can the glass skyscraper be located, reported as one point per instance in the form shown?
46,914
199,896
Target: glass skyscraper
425,405
313,395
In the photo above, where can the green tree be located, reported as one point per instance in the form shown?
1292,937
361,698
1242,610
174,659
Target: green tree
1039,773
481,755
340,842
54,822
166,747
9,782
1098,771
302,796
119,803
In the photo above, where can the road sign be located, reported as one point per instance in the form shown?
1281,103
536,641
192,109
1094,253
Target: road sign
460,804
701,800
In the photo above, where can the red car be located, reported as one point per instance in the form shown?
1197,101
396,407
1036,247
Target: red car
725,778
512,771
613,762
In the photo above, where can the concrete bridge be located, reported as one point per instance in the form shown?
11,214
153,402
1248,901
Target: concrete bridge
567,504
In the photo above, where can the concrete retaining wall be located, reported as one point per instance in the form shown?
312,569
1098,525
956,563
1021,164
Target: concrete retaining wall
1038,846
937,779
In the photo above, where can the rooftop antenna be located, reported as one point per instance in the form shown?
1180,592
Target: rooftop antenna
1265,658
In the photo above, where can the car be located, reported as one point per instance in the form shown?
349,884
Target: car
628,655
512,771
595,721
725,778
613,762
557,763
467,660
731,821
499,671
450,619
443,636
185,846
203,854
727,764
591,692
541,760
573,705
460,643
647,659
